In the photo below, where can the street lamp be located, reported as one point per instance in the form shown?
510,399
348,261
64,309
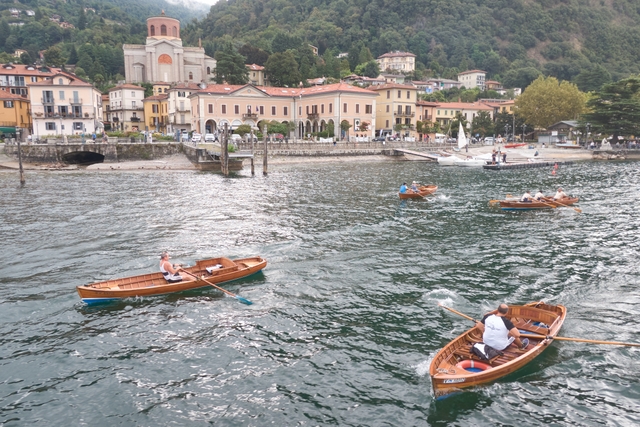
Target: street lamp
586,142
524,126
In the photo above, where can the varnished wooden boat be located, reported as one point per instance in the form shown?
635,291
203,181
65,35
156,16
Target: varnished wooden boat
424,190
451,368
549,203
214,270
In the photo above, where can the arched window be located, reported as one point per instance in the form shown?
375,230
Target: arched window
175,32
163,30
208,70
153,30
60,81
190,76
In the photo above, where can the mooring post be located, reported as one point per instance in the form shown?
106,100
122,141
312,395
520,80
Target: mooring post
20,162
253,171
264,154
225,150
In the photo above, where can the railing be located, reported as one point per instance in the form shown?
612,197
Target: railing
313,116
75,101
183,110
249,116
405,114
47,100
135,119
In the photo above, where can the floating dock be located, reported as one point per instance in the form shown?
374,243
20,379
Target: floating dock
523,165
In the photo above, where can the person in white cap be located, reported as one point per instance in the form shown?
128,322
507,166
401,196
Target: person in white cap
414,187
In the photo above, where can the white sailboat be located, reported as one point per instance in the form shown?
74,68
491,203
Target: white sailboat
456,161
462,138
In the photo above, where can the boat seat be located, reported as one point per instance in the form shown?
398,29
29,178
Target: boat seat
464,353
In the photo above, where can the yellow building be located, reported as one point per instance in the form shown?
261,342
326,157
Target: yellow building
396,109
15,112
445,112
404,62
156,113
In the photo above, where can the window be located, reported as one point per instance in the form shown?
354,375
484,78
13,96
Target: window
163,30
50,126
307,110
154,109
208,70
357,108
386,124
388,94
76,98
368,109
153,30
34,79
300,110
210,107
77,126
133,104
330,108
175,32
399,94
286,111
133,94
273,110
344,107
388,108
408,95
261,110
190,76
236,109
60,81
322,108
224,109
8,104
181,95
182,119
399,109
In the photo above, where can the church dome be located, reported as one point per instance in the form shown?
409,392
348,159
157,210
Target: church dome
163,27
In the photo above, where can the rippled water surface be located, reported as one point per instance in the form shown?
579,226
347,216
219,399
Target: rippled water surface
345,318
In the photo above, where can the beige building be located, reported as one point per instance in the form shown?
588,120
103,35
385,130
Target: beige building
472,79
14,78
404,62
310,110
179,107
64,105
163,58
126,110
396,109
256,75
445,112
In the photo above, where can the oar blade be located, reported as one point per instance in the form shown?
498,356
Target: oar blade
243,300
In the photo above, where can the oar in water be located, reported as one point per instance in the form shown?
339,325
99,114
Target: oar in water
544,337
567,206
548,204
239,298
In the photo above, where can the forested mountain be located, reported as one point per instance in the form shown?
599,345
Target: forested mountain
586,41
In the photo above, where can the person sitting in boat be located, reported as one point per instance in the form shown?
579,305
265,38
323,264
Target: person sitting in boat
403,188
169,271
498,331
414,187
560,195
539,196
526,197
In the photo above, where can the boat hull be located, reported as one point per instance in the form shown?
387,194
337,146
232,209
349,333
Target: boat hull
423,191
155,284
513,205
448,377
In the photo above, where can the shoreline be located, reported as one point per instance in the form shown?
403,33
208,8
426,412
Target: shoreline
180,162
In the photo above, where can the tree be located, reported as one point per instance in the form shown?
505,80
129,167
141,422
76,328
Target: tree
368,69
25,58
482,124
282,70
82,19
593,79
253,54
73,55
547,101
230,67
615,109
53,57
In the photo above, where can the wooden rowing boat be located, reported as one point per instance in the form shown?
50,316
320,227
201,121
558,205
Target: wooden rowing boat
214,270
516,145
451,369
424,190
549,203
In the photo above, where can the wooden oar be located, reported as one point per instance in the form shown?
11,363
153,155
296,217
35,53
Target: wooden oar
544,337
239,298
458,313
548,204
579,340
567,206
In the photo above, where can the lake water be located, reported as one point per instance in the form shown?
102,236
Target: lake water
345,318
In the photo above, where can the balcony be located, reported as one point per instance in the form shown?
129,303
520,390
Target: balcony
47,100
313,116
249,116
183,110
135,119
75,101
405,114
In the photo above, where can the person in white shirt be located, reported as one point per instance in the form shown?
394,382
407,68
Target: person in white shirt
498,331
526,197
539,196
560,195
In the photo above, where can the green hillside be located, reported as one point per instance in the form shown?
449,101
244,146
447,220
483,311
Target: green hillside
513,40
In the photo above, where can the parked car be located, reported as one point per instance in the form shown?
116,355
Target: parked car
489,140
379,139
196,137
236,137
209,137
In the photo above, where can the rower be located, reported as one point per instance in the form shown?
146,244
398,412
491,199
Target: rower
169,271
560,194
403,188
414,187
526,197
498,331
539,196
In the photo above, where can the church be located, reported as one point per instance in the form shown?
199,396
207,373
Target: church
164,59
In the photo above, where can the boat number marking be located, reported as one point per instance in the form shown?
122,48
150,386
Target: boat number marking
454,380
